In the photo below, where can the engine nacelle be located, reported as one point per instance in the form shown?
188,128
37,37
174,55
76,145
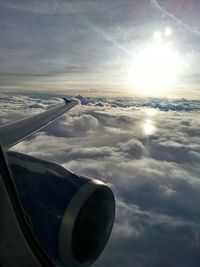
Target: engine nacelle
70,216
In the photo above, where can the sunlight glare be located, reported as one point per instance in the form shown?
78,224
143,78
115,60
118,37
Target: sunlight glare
155,69
157,36
150,112
148,127
168,31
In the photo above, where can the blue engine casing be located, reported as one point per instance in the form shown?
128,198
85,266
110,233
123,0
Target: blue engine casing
70,216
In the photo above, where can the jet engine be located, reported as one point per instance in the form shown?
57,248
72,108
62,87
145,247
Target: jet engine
69,217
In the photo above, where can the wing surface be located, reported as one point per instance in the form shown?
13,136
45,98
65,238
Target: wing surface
15,132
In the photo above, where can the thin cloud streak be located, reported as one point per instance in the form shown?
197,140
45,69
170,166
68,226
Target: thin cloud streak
180,22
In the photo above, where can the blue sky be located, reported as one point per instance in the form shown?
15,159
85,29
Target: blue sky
62,46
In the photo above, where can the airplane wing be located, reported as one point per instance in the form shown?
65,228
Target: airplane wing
13,133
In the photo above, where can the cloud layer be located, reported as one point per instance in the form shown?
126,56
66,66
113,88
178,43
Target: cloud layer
149,151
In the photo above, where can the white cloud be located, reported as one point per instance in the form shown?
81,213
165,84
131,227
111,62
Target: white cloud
155,176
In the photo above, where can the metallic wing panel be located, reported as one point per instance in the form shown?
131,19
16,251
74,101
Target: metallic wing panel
13,133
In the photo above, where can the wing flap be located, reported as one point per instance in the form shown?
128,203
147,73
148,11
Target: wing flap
13,133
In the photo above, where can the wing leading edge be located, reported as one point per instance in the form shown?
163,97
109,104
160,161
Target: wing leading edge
13,133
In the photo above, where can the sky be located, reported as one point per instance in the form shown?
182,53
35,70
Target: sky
136,64
148,151
113,48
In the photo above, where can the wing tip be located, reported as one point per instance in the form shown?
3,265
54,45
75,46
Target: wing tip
66,100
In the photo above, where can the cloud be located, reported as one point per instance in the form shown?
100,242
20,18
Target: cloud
154,175
161,104
132,148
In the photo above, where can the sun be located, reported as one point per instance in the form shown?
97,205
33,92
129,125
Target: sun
155,69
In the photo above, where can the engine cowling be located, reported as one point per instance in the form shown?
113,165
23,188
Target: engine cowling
70,216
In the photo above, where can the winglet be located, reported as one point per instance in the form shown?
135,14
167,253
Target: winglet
66,100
